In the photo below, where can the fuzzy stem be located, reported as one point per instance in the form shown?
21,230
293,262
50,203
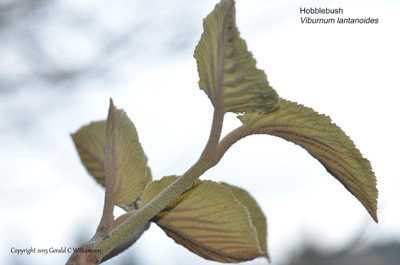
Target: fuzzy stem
230,139
120,234
149,210
126,243
210,149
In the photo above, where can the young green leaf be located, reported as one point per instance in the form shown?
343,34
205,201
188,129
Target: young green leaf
89,142
208,220
125,163
149,176
325,141
257,216
227,70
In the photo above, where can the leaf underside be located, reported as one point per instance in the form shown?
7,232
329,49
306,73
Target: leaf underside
89,142
227,70
125,167
208,220
258,218
325,141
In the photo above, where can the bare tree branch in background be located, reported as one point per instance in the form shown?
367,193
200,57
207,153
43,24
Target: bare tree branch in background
31,30
56,45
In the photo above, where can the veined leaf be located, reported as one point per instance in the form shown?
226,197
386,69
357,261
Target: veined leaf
89,142
228,73
208,220
325,141
149,176
125,164
257,216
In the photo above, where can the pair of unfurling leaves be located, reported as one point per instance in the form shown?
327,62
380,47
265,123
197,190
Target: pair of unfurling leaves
215,220
218,221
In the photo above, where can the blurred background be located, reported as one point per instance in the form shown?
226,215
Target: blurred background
61,61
